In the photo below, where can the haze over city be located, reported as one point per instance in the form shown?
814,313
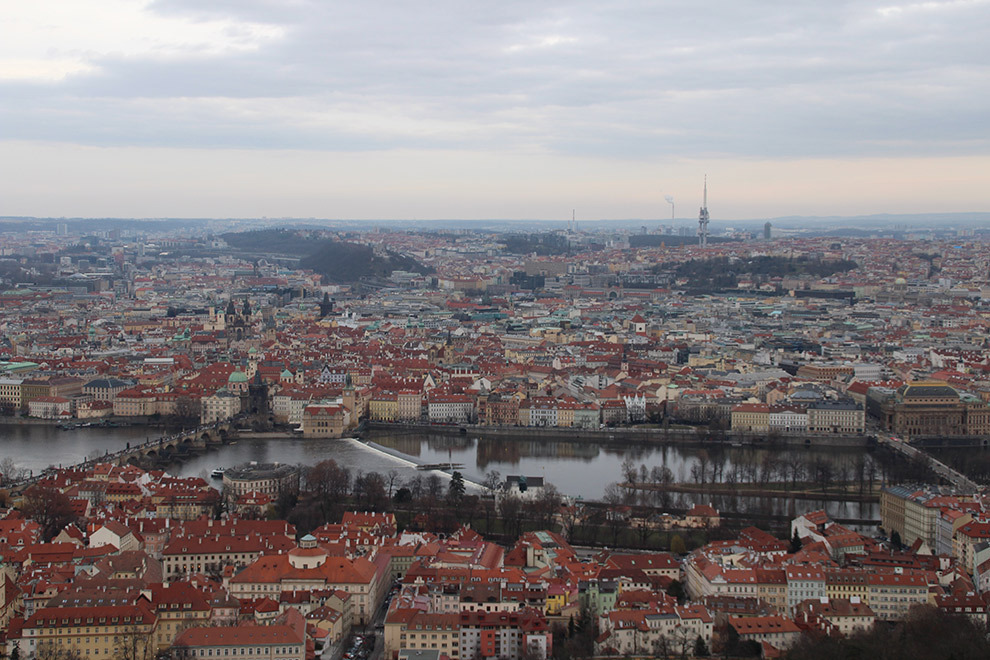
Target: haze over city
507,110
494,331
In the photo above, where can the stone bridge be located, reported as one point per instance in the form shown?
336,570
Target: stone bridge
165,448
954,477
155,452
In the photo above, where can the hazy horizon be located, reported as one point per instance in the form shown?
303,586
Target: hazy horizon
182,108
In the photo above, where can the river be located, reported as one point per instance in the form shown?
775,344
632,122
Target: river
578,469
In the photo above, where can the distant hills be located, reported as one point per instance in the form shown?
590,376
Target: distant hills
888,224
338,261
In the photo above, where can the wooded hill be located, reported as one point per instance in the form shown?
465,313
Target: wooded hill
338,261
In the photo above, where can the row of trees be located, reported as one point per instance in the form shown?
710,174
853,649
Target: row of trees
330,489
927,633
762,468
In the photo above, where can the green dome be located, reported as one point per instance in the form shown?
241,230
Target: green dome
237,377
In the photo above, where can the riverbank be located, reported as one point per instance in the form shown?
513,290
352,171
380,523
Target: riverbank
632,434
605,436
95,422
840,493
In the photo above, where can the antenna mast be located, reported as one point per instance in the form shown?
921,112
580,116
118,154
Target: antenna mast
703,218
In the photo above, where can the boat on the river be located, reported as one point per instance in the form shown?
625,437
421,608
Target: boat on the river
218,472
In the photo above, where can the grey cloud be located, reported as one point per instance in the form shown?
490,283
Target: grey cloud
610,79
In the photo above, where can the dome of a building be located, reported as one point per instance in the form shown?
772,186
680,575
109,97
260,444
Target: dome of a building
307,554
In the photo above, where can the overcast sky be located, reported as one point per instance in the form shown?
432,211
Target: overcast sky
507,109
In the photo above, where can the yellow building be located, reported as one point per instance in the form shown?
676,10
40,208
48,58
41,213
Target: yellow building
108,631
846,584
751,417
565,413
383,407
179,606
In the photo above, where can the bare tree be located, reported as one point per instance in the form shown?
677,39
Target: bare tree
614,496
392,478
768,469
330,484
644,528
492,482
49,507
9,470
718,461
794,463
51,650
185,414
629,471
569,517
370,490
662,647
133,644
510,508
871,471
824,474
699,472
434,486
416,486
683,641
547,504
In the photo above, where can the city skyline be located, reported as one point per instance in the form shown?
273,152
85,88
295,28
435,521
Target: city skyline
184,109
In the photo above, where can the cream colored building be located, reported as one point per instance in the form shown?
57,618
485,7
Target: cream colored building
10,393
219,406
416,630
409,405
324,421
836,417
892,594
751,417
267,478
109,631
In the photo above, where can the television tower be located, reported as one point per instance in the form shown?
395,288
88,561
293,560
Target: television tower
703,219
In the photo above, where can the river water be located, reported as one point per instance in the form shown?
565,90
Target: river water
577,469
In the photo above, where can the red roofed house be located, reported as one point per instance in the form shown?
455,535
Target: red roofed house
844,616
702,515
778,631
752,417
285,640
50,407
309,567
115,534
103,631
